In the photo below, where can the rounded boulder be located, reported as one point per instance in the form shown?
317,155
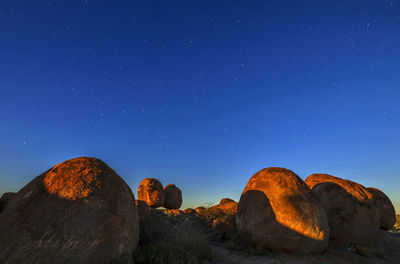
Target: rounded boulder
341,209
278,212
350,207
200,209
79,211
151,191
228,206
387,214
172,197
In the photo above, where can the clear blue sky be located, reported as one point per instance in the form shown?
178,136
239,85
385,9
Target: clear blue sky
202,93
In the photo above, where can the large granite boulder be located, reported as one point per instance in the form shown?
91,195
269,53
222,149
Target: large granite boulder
341,209
79,211
278,212
151,191
387,214
352,214
172,197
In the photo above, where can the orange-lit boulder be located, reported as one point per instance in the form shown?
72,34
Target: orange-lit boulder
226,200
79,211
200,209
176,212
189,211
172,197
387,215
142,208
224,223
278,212
6,198
151,191
354,220
227,206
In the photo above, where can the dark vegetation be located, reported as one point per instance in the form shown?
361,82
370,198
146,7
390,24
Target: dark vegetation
168,238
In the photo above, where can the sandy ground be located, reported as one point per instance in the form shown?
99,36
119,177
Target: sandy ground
388,251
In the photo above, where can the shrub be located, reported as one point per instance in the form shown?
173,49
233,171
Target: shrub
224,231
172,239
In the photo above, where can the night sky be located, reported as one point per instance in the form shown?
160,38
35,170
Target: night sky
202,94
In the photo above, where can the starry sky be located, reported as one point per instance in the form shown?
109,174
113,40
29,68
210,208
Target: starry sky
202,94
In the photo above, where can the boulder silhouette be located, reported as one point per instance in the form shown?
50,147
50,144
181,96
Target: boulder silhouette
79,211
6,198
172,197
354,220
387,214
278,212
142,208
151,191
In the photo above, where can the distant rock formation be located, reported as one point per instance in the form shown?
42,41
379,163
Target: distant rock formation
226,200
172,197
227,206
352,214
189,211
176,212
151,191
79,211
200,209
278,212
387,214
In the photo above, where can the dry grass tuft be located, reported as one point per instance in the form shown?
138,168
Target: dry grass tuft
48,250
172,239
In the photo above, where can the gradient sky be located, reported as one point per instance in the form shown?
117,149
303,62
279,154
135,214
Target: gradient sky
202,94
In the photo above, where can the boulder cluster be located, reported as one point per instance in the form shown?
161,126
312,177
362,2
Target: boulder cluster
151,192
82,211
282,213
